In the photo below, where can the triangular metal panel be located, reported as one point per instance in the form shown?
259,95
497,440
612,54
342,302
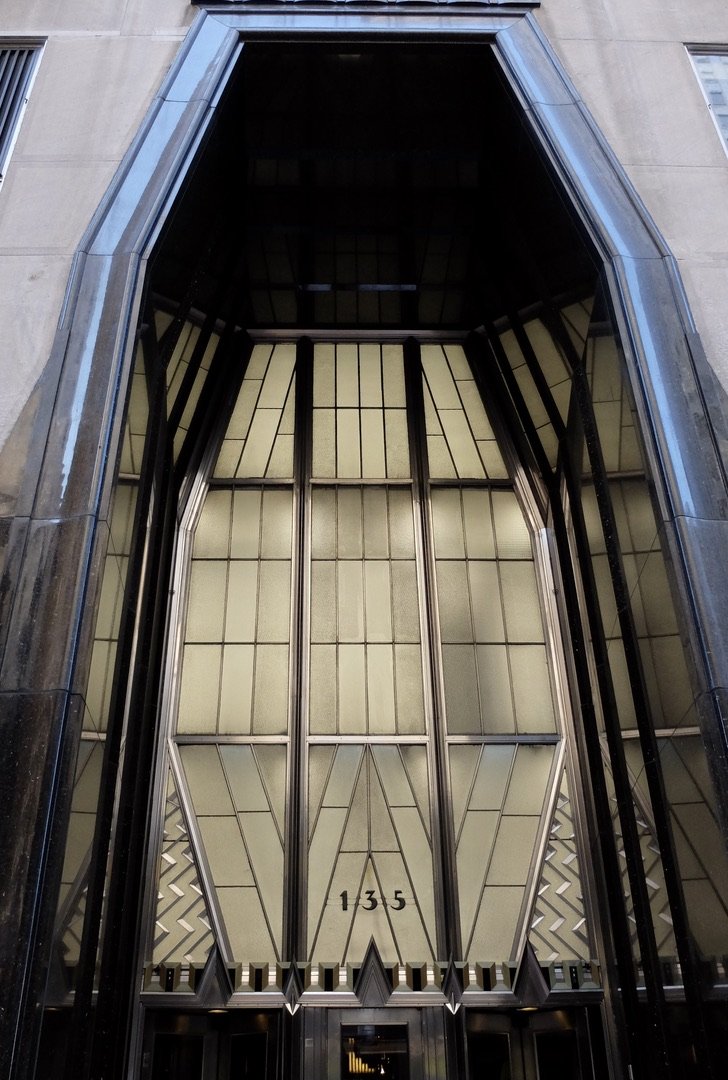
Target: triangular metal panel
372,985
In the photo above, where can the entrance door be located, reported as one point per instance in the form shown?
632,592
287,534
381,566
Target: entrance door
386,1044
524,1045
232,1045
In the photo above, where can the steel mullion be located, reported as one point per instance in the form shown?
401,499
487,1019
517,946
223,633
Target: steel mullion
444,855
633,855
294,929
534,368
650,751
589,751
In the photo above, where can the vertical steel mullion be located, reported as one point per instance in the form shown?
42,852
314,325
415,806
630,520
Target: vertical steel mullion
82,1022
448,931
625,999
633,854
541,477
294,929
534,368
590,750
648,740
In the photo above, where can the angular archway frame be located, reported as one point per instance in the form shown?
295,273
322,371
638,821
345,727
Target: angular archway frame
59,535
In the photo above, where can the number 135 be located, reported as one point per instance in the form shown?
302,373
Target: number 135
369,901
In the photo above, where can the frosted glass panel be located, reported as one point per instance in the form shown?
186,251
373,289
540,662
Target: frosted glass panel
182,926
108,621
191,356
666,675
558,923
500,796
235,793
461,442
494,659
234,677
359,417
259,437
366,609
370,867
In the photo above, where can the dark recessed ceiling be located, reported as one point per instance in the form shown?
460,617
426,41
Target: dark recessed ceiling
373,187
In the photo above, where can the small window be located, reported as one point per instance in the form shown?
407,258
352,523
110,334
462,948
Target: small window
18,63
712,70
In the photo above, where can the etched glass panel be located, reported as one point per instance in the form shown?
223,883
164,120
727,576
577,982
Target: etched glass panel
558,924
182,927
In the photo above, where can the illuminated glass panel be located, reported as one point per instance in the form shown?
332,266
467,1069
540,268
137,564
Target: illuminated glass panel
359,412
237,795
259,438
370,863
235,654
460,439
103,656
700,847
495,665
500,794
558,922
550,365
185,354
182,929
366,659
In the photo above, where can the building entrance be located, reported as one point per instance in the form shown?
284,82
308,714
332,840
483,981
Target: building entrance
385,1044
218,1045
385,623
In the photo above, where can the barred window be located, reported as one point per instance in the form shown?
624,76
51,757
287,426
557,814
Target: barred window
18,63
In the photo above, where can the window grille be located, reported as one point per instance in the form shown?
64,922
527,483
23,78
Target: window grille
712,70
17,68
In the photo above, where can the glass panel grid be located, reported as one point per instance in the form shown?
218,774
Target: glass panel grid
495,665
234,677
366,661
259,437
359,413
460,440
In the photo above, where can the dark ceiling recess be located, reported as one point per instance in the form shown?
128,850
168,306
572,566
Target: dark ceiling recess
373,187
